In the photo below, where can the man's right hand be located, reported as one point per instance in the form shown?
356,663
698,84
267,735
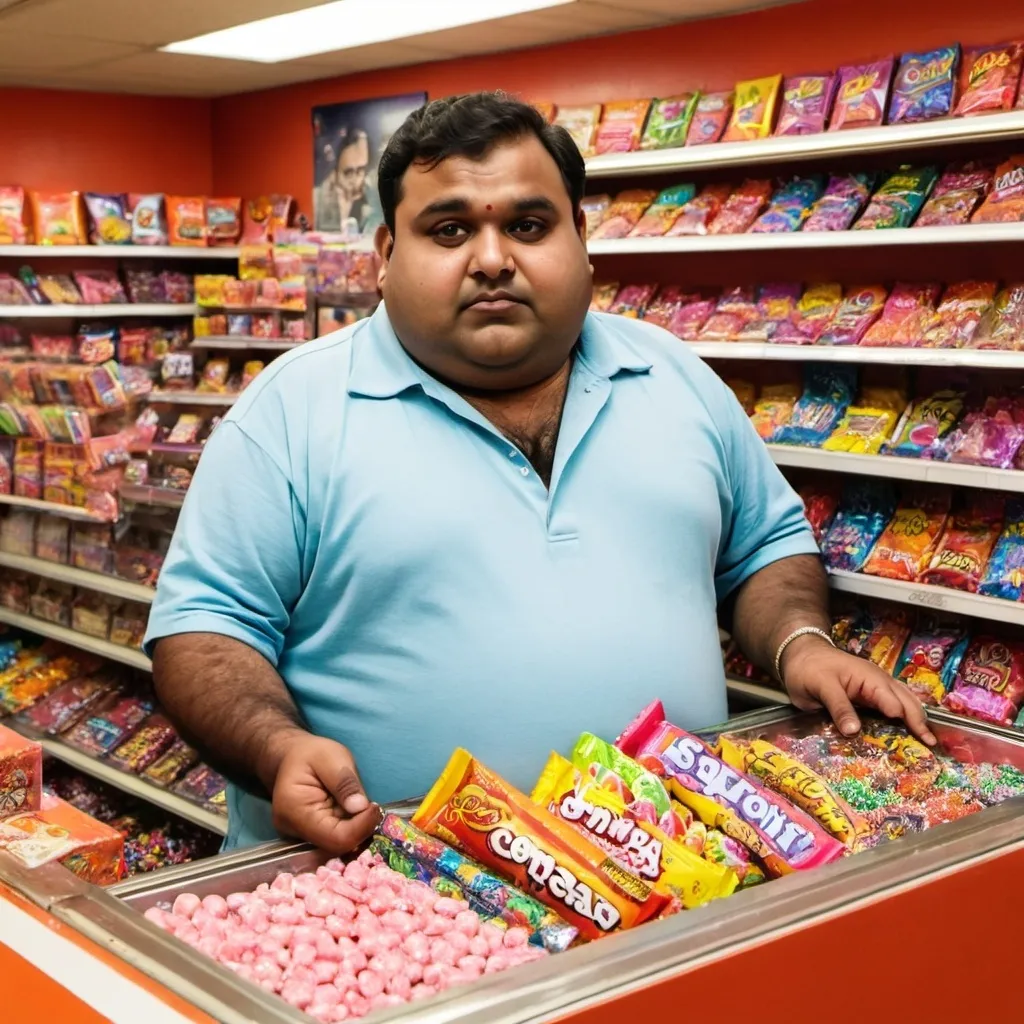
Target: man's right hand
317,795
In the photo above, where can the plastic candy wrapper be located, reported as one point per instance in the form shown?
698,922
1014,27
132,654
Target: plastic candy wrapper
828,390
480,814
956,195
57,218
925,85
203,786
820,506
21,774
12,215
604,296
109,222
991,436
929,662
149,220
907,313
632,299
1004,574
223,221
899,199
862,94
1005,202
726,851
624,213
622,124
790,206
814,312
662,213
670,299
710,118
1002,326
959,314
774,409
990,682
100,733
736,309
638,846
885,640
742,208
782,836
777,306
865,510
788,777
411,852
37,681
99,287
669,121
989,76
65,705
925,422
690,318
152,738
965,546
862,430
860,308
186,220
172,764
581,123
841,202
905,548
806,100
754,109
697,215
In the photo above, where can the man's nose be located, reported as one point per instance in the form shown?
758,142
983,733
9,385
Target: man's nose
492,254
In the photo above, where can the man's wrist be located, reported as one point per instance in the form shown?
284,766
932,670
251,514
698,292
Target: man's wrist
797,641
274,751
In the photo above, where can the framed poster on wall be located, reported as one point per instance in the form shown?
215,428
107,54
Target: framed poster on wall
348,139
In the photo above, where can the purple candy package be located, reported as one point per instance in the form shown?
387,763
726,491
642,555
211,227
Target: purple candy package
806,100
841,202
862,93
925,85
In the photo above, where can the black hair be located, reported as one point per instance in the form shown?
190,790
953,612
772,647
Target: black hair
349,137
471,125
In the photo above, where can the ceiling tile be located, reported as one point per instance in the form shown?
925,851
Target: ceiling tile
39,52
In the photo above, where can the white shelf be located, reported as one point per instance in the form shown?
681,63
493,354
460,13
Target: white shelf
962,234
190,398
993,358
52,507
101,584
143,494
758,691
821,146
245,343
84,642
940,599
78,311
898,468
120,252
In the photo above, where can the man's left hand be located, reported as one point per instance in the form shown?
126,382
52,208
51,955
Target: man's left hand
818,675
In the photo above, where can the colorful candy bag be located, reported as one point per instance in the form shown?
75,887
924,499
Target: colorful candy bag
1005,203
898,200
661,214
152,739
604,296
632,299
958,315
865,509
782,836
697,215
806,100
906,314
1002,325
820,507
905,548
989,76
925,422
421,856
203,786
669,121
929,662
671,298
625,211
149,220
741,209
860,308
745,392
12,215
862,93
956,195
57,218
753,115
171,764
638,846
990,436
479,813
990,683
65,705
885,640
622,124
100,733
863,430
777,306
774,409
736,308
925,85
843,199
790,206
710,117
1004,574
595,209
186,220
688,320
581,123
966,544
109,223
814,312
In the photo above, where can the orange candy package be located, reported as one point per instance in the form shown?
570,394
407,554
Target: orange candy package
906,545
966,545
58,218
621,126
483,816
186,220
12,216
1005,203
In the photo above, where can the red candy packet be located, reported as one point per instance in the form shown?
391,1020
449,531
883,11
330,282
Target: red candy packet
698,214
956,195
966,544
862,95
907,311
742,208
1005,203
989,76
710,118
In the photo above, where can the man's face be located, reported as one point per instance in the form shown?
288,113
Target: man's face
352,165
487,282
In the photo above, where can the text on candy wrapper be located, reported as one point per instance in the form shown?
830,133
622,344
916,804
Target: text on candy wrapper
644,849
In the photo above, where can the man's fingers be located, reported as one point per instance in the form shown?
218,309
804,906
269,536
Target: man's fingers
339,835
915,715
348,791
833,697
335,768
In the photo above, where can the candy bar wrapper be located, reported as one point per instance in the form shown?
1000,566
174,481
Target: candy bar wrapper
782,836
21,774
638,846
172,764
150,740
27,687
64,706
925,85
101,733
415,854
202,785
790,778
480,814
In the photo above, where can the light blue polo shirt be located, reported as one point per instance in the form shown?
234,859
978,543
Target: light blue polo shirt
419,589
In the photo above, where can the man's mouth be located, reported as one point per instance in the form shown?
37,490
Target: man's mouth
494,302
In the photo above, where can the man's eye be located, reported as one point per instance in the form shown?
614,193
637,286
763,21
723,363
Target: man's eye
449,232
530,228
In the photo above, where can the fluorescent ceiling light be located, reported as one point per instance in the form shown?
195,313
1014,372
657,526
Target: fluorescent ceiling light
345,24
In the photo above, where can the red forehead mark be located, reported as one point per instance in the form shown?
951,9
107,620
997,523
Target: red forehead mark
489,207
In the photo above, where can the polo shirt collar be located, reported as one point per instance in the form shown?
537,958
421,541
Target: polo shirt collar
383,369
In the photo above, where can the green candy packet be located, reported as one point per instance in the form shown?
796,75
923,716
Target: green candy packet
644,785
899,199
669,121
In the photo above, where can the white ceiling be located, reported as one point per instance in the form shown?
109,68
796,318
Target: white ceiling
113,45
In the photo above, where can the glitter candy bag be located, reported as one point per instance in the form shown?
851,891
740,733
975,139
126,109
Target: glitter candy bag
905,316
966,544
925,85
860,308
742,208
1002,326
736,308
958,315
828,390
697,215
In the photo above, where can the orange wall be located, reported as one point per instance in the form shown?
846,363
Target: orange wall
264,141
105,143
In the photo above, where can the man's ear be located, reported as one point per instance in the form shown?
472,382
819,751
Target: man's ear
581,224
383,242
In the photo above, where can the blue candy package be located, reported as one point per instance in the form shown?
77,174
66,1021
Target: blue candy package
864,512
828,390
1004,573
930,660
925,85
790,206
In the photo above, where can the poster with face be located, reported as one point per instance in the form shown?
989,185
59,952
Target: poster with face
348,139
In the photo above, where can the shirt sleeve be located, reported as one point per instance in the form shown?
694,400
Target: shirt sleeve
234,564
763,517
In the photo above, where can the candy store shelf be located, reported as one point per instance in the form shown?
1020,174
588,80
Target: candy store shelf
98,582
71,637
939,599
53,507
963,234
245,343
821,146
898,468
119,252
756,691
190,398
78,311
992,358
163,497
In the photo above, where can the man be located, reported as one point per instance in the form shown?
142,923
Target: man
483,517
342,196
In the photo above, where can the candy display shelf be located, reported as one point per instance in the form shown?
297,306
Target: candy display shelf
897,356
898,468
940,599
245,344
821,146
98,582
190,398
71,637
118,252
53,507
78,311
162,497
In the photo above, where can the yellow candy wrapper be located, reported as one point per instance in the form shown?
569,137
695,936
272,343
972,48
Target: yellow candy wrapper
753,114
670,867
864,429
